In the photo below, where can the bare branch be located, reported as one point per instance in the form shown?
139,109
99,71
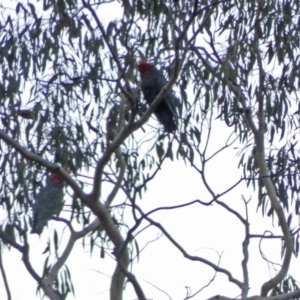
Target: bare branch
208,284
185,254
287,296
159,289
245,248
263,236
3,273
27,261
131,278
196,258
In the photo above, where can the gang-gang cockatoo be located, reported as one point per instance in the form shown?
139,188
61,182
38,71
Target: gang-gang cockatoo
48,202
152,82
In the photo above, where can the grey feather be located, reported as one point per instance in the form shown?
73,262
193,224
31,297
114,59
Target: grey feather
152,83
48,202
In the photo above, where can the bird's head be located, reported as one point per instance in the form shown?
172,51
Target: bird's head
56,178
144,67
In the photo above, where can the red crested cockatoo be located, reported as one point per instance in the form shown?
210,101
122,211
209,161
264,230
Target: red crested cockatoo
152,83
48,202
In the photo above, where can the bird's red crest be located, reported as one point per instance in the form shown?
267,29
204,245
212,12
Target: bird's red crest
144,67
56,178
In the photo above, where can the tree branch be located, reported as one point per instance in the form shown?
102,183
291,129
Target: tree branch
53,167
75,235
264,173
24,250
265,177
47,281
245,248
27,261
118,278
120,157
3,273
188,256
287,296
132,279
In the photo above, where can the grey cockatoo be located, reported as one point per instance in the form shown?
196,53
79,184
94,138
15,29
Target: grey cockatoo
48,202
152,83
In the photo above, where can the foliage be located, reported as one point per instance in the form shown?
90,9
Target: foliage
70,95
